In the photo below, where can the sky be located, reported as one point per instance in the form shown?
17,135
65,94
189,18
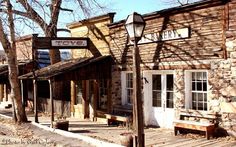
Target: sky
125,7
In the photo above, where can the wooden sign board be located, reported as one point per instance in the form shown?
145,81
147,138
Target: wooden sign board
59,43
165,35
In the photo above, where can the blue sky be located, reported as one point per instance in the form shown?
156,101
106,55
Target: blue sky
125,7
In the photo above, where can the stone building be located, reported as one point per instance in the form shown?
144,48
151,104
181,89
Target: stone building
187,62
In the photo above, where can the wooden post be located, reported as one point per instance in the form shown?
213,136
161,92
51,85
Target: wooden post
1,92
22,93
137,98
35,101
6,92
109,99
73,97
51,101
95,99
86,99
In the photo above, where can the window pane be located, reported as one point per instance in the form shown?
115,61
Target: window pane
194,105
204,86
199,76
199,86
200,106
130,96
170,82
205,106
193,76
194,86
194,97
156,98
205,97
204,76
156,82
169,101
200,97
129,80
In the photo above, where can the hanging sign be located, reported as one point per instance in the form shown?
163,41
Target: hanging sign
70,43
59,42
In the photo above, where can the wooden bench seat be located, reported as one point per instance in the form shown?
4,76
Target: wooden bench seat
120,113
208,128
113,117
195,120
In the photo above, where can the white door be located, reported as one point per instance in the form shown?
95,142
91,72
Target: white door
159,98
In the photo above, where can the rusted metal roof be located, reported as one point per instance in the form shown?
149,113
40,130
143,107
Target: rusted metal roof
64,67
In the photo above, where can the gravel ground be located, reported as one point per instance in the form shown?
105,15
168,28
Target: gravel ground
28,135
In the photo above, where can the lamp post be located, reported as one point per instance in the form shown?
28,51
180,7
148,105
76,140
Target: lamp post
135,25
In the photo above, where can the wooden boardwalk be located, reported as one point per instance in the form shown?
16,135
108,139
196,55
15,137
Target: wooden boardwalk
165,138
154,137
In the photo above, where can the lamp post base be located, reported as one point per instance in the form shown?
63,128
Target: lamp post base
138,143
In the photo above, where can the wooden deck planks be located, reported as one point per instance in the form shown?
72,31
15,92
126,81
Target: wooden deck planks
156,138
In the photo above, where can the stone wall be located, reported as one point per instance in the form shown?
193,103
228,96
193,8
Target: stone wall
116,85
222,76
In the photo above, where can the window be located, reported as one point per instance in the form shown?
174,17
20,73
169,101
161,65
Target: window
79,92
156,90
197,90
170,91
163,90
102,100
127,87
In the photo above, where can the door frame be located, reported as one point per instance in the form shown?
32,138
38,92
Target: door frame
151,112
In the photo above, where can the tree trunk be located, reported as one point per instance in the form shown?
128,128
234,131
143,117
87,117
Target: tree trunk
10,50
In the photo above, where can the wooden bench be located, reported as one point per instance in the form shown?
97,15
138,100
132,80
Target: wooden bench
113,117
198,121
119,113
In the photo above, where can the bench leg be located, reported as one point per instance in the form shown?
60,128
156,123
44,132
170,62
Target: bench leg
176,130
207,134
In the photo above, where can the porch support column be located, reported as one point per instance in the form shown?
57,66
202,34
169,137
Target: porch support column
35,101
5,92
1,92
22,92
109,100
51,101
73,97
95,99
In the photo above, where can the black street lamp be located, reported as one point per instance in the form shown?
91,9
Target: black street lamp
135,25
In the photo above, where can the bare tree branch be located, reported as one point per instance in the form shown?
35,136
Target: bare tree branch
33,15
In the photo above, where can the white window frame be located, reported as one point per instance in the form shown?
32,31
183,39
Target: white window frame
124,99
188,88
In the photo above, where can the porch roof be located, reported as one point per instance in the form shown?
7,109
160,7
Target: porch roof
74,69
23,66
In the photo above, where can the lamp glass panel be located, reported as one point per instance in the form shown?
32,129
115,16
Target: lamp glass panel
130,30
138,30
